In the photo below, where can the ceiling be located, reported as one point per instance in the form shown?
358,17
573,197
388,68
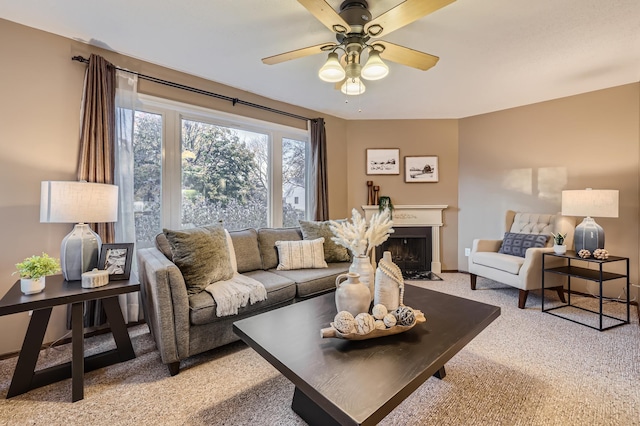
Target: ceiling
494,54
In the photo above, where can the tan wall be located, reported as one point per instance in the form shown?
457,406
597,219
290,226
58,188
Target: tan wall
522,158
412,137
40,94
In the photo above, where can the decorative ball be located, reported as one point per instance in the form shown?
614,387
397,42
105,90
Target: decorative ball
344,322
389,320
584,253
601,254
364,323
380,325
404,315
379,311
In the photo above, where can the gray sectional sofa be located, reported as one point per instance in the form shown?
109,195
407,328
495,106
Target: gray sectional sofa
185,324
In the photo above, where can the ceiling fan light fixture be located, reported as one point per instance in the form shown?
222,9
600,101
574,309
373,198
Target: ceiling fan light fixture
332,71
353,86
374,69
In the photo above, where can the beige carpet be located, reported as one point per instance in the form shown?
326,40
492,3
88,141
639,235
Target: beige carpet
526,368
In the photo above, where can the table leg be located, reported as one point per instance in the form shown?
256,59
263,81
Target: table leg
310,412
77,358
440,374
118,328
25,368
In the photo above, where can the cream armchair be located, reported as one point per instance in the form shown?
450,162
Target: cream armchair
524,273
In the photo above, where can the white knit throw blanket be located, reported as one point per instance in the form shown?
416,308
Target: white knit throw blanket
235,293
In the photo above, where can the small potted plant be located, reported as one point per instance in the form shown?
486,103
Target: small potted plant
33,271
558,243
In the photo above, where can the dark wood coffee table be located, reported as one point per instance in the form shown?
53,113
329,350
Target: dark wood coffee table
360,382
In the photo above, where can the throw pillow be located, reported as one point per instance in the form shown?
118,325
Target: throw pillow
333,252
232,252
202,256
517,244
300,254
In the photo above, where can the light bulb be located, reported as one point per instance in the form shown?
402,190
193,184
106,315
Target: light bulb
353,86
374,69
332,71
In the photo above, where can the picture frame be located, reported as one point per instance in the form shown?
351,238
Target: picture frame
384,161
421,169
116,259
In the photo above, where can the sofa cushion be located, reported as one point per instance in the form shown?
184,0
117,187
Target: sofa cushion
333,252
202,306
503,262
300,254
310,282
516,244
267,238
201,254
245,245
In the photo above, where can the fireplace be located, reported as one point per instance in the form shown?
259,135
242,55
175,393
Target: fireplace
427,218
410,248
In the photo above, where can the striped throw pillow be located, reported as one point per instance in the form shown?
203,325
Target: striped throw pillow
301,254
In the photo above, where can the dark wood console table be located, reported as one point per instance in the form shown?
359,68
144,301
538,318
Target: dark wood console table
60,292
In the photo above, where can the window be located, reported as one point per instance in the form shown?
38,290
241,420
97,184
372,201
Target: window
197,167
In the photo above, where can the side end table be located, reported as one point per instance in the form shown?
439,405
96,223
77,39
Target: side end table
598,275
60,292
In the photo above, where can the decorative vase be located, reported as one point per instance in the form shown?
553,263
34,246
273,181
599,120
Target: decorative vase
388,282
362,265
32,285
559,249
352,295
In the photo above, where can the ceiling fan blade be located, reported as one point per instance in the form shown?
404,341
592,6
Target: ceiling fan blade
324,13
405,13
295,54
405,56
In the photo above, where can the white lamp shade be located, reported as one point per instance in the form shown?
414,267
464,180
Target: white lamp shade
76,202
590,202
332,71
353,86
374,69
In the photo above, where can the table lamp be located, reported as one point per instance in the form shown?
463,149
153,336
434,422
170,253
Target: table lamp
80,203
590,202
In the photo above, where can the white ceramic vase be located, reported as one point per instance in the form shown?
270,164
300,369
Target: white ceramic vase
559,249
362,265
31,285
352,295
387,283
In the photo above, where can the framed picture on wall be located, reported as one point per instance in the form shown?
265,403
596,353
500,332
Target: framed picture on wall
383,161
116,259
421,169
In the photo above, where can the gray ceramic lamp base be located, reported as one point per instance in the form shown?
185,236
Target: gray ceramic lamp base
588,236
79,252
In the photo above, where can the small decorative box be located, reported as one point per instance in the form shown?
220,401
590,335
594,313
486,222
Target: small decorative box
95,278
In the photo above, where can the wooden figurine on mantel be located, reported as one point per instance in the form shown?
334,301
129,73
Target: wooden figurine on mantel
370,193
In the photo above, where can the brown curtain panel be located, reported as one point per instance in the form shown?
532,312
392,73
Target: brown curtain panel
97,142
320,208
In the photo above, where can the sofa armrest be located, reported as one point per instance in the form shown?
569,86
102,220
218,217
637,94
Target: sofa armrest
486,245
166,304
531,270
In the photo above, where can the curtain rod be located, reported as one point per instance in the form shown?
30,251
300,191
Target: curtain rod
234,101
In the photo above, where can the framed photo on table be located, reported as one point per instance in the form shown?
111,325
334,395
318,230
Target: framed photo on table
421,169
116,259
383,161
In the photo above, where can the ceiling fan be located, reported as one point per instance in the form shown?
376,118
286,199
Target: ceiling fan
355,30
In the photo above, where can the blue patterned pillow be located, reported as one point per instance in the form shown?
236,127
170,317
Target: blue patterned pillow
517,244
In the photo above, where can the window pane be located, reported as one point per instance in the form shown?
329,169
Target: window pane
147,177
294,181
224,176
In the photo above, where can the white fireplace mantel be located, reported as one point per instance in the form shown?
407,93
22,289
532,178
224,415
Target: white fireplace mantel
418,215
